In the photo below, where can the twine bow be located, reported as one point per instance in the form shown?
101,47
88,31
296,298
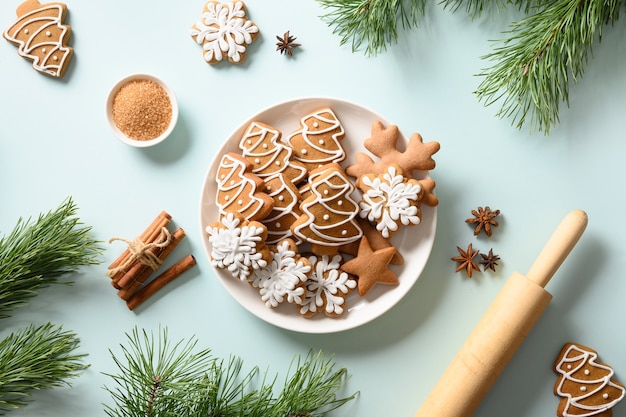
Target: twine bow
141,252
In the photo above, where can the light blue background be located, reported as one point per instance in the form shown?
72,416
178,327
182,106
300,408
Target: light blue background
55,142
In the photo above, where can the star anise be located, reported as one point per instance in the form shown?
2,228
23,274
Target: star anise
490,261
286,43
483,219
466,260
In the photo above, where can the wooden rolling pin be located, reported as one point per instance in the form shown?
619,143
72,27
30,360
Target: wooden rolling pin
502,329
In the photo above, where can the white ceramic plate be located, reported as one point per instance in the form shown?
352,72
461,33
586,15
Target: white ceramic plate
414,243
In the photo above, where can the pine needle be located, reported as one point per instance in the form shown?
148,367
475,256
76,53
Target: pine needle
34,358
37,253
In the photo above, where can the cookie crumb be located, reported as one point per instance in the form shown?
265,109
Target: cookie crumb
142,109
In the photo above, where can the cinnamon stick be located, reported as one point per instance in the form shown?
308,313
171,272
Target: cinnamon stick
148,236
135,277
160,281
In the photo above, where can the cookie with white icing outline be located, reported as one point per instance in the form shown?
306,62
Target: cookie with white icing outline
239,191
328,213
585,385
41,36
318,140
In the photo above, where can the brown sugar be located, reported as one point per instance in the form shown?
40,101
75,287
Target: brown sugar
142,109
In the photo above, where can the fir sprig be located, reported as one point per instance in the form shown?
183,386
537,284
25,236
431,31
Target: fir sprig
373,22
34,358
160,379
534,65
544,54
37,253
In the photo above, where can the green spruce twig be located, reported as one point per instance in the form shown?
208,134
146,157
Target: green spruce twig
371,22
34,358
160,379
37,253
543,55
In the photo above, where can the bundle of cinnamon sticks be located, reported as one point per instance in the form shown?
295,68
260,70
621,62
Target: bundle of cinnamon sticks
144,255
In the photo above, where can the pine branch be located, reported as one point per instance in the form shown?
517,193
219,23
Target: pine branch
158,379
36,358
373,22
37,253
543,55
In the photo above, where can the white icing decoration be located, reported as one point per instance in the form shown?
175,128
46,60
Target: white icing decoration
312,232
44,21
235,247
579,357
223,28
254,146
280,280
327,286
388,202
234,182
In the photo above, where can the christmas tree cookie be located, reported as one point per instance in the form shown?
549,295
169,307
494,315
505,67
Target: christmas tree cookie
318,141
239,191
585,385
41,36
261,146
328,213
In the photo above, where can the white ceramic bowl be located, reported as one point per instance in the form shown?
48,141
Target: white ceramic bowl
135,142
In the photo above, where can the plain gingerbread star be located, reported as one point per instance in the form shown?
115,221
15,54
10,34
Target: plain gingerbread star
371,266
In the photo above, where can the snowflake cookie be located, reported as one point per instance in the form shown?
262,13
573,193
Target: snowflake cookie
283,278
224,31
238,245
390,200
326,288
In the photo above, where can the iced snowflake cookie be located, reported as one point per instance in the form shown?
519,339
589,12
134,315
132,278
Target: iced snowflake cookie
318,141
390,200
585,385
224,31
328,213
238,245
41,36
326,288
261,145
239,190
283,278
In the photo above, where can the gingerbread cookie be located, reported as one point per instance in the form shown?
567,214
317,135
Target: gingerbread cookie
285,210
390,200
586,386
318,141
326,288
261,146
371,267
284,277
238,245
383,143
239,191
41,36
224,31
328,213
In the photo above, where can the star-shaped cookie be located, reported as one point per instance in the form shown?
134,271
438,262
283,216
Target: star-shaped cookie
371,267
